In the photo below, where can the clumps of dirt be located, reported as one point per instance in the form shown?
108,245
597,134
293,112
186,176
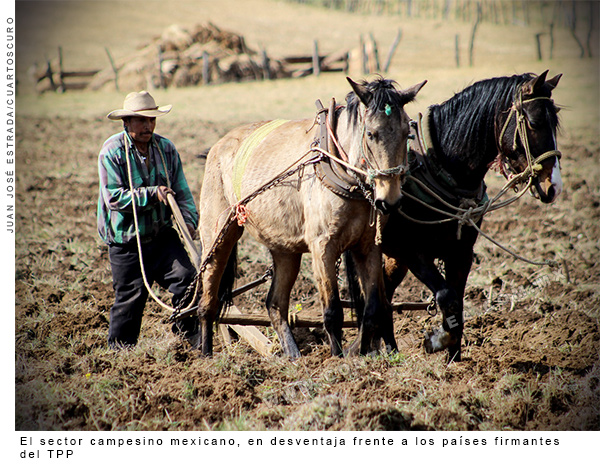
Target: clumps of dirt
532,336
381,417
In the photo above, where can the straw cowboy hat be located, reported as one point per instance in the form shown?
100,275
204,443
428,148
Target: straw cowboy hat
139,104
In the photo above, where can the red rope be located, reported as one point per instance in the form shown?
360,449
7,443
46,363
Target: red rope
241,214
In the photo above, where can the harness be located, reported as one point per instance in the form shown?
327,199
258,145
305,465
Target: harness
428,183
533,165
336,173
330,173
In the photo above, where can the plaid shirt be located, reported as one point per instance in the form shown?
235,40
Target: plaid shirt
115,215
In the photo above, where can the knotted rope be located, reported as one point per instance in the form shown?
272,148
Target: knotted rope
468,212
180,223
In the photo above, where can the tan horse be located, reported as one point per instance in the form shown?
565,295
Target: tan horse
300,214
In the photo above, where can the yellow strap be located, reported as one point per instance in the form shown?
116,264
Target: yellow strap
245,150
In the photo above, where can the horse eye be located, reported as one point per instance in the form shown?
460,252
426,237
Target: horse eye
371,135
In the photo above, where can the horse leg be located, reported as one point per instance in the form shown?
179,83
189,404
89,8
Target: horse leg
457,270
394,272
324,266
377,320
285,271
446,299
212,280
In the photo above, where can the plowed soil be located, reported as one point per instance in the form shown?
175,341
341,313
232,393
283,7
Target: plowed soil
532,334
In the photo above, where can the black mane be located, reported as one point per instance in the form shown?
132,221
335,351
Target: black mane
383,92
461,127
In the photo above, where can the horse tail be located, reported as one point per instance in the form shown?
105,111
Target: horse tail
227,280
356,297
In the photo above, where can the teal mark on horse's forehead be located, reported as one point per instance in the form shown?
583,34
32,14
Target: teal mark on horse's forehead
388,109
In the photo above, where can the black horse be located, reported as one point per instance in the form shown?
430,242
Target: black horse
510,122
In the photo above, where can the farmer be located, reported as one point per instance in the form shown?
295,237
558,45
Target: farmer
156,171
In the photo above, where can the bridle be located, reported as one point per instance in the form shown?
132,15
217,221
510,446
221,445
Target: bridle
534,165
365,178
470,212
372,172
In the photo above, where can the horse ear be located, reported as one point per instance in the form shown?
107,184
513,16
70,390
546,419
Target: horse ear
361,91
553,81
534,84
411,92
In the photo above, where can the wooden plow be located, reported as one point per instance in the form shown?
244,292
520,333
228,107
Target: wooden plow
245,324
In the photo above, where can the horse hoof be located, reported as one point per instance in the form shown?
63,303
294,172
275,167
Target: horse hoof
292,352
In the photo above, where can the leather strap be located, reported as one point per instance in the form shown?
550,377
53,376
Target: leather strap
425,168
337,180
331,174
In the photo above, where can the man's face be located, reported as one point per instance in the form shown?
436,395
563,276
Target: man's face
141,128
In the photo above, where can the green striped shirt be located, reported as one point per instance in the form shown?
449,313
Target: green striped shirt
115,215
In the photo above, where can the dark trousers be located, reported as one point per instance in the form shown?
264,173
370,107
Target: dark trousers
167,263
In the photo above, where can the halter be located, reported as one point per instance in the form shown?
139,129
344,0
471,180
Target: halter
534,166
338,185
372,171
469,213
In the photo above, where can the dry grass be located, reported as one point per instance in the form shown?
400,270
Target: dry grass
425,52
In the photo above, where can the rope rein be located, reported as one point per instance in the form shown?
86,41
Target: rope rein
127,141
468,212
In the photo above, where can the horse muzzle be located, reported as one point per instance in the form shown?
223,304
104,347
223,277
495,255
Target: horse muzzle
549,183
386,207
387,194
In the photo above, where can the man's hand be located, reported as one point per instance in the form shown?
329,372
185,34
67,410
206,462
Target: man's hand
162,194
192,231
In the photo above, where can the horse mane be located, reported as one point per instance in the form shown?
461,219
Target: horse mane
462,128
383,92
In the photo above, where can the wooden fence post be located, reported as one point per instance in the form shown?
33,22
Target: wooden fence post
316,62
50,74
205,68
588,42
114,67
363,54
551,40
539,45
374,66
388,60
61,84
472,44
266,65
456,51
573,32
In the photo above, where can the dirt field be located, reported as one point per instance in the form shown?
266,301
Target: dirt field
532,334
531,360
